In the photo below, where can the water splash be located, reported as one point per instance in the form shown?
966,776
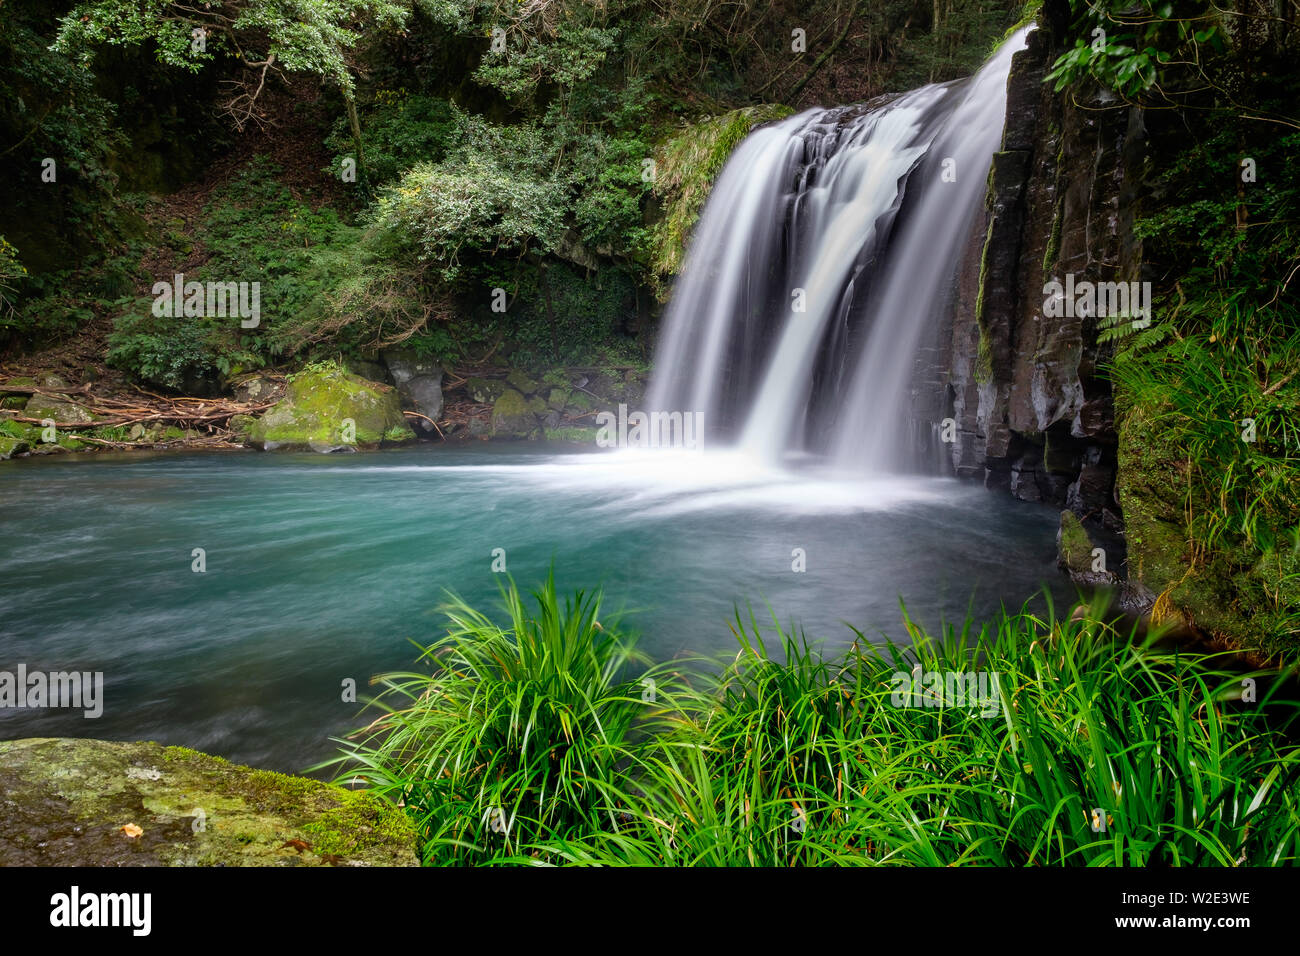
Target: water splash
825,254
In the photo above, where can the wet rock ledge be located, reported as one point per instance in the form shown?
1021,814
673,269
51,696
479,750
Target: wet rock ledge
67,802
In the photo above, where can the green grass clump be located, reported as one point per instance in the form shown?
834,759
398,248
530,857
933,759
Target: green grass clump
520,735
783,757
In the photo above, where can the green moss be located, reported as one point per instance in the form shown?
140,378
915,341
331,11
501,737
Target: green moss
186,755
1074,547
193,809
11,446
1054,241
512,416
38,406
1231,592
571,433
686,166
984,357
318,406
360,822
522,382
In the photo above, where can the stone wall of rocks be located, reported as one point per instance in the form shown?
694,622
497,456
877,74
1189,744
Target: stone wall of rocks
1034,416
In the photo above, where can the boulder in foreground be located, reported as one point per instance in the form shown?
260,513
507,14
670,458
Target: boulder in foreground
72,802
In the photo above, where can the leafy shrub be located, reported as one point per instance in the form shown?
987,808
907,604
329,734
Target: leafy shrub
493,194
170,353
401,130
1130,46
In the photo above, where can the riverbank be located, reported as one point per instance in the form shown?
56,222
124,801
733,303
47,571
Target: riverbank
46,412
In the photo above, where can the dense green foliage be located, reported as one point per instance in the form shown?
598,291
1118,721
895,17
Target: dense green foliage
293,35
1207,393
486,145
786,758
58,134
253,230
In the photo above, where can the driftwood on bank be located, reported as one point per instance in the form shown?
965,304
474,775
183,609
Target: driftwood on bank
116,417
110,412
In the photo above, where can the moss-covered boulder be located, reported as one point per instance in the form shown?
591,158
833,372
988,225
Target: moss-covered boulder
485,390
104,803
9,447
522,382
59,410
1073,546
327,409
512,417
1076,555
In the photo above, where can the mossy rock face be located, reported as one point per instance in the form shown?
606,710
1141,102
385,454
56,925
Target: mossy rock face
1073,546
62,412
522,382
66,802
512,417
485,390
1224,593
686,164
9,447
317,408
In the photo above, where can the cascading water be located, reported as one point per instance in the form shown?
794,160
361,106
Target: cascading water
825,255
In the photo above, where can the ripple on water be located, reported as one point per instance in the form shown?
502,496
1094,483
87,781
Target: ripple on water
323,568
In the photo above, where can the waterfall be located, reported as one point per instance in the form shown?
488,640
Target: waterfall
822,264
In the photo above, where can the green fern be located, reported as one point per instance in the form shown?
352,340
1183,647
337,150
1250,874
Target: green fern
1134,332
